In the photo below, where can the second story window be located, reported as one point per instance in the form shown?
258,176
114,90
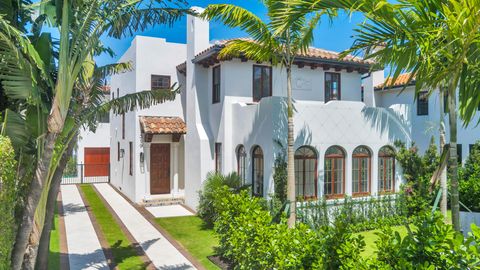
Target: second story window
218,157
160,82
216,84
332,86
422,103
262,82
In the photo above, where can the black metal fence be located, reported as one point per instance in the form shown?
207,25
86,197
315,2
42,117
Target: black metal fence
86,174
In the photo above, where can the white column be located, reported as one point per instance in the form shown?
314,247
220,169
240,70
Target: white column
175,168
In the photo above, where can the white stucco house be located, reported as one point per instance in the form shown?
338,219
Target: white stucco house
230,113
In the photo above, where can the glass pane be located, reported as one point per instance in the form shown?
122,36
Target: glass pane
328,176
266,81
257,83
355,173
338,177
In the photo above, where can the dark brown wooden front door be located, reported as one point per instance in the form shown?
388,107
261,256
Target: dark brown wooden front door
160,168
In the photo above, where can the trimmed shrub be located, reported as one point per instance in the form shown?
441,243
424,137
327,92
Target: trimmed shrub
207,196
359,214
469,184
8,201
430,244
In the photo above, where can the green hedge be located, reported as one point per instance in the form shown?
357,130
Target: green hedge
8,196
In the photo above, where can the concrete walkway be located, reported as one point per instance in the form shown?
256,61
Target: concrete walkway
168,211
84,249
158,249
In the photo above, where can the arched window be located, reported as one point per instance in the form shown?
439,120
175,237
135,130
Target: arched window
361,171
334,172
257,171
305,172
386,169
241,162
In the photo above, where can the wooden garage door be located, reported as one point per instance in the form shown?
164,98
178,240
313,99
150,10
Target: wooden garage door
97,161
160,168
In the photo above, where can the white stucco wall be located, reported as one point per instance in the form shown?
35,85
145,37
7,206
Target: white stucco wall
89,139
426,126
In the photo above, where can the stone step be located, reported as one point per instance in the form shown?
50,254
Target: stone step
163,201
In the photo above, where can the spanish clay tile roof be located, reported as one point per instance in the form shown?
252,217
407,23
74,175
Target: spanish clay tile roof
402,80
312,53
162,125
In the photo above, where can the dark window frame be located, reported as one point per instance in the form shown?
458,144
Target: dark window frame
360,156
167,85
459,153
258,157
304,159
130,168
329,97
385,157
216,86
218,157
422,103
261,90
241,163
123,126
333,158
118,151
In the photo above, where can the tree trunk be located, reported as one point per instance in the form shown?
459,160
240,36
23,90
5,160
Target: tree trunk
443,175
452,109
33,198
290,152
43,247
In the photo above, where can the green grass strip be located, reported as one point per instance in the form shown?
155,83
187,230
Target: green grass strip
124,254
189,232
54,253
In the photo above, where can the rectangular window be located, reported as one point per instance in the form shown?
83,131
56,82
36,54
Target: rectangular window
118,151
332,86
362,94
218,157
160,82
130,158
422,103
459,153
123,126
262,82
104,118
470,148
216,84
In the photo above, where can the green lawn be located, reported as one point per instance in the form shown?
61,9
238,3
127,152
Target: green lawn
54,254
124,255
370,237
189,232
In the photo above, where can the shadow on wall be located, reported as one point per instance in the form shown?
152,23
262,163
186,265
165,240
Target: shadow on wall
390,122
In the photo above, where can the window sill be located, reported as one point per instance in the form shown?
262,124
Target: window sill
335,197
360,194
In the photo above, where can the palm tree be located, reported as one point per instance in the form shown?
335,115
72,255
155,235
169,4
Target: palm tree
43,78
438,41
269,43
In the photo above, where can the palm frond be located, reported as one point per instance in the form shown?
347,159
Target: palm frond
234,16
251,50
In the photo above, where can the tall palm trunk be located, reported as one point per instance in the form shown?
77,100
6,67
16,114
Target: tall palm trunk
452,111
43,248
290,151
33,198
443,175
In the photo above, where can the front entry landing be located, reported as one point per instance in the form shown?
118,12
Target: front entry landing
160,168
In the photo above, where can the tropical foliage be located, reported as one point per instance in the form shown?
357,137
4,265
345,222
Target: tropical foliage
270,44
470,180
8,201
56,87
211,192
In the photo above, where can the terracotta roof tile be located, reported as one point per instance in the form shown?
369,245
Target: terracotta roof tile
402,80
312,52
162,125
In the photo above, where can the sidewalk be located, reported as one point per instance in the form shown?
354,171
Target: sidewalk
84,249
158,249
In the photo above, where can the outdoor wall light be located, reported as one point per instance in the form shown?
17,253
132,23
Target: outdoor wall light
142,157
122,153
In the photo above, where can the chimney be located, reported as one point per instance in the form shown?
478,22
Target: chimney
197,34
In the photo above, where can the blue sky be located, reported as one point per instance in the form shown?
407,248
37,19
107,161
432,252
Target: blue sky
335,36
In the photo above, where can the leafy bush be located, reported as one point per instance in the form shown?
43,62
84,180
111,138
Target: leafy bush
431,244
249,239
417,171
208,194
7,201
359,214
469,184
